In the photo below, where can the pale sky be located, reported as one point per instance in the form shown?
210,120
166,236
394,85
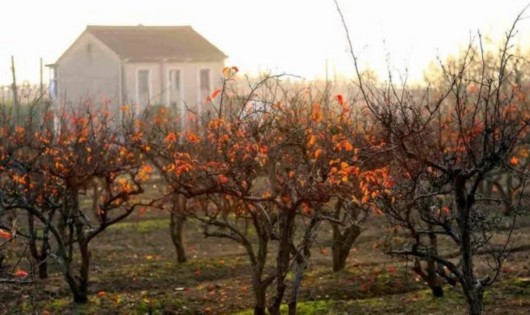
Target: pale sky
281,36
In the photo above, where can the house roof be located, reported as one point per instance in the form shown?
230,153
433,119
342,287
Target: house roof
139,43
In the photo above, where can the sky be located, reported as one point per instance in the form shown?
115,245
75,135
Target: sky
297,37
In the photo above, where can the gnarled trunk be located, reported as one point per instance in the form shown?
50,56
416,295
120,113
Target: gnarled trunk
176,227
40,256
342,244
473,289
260,296
474,301
286,218
301,262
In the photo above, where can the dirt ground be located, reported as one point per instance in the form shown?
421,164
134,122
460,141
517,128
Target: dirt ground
134,271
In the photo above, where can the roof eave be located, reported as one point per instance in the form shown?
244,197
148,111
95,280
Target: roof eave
173,59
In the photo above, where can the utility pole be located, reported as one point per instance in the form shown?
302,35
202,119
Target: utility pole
15,92
41,86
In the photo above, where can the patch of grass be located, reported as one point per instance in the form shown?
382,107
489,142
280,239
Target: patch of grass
414,303
66,306
516,287
310,307
144,226
302,308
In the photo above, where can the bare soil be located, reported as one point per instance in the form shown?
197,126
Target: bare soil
134,271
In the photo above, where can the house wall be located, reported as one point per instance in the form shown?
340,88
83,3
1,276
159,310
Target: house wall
159,80
88,70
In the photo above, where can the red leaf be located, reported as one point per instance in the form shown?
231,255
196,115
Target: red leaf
5,235
340,99
21,273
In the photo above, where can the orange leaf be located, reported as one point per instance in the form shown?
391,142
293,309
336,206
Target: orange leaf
193,138
472,88
214,95
365,199
171,137
221,179
316,115
306,209
227,72
347,146
312,140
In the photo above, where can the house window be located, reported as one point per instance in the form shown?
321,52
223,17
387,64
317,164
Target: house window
174,80
204,84
175,90
205,79
143,87
175,95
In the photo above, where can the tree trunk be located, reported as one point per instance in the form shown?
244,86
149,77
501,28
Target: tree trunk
429,276
286,218
75,289
260,295
473,290
41,257
342,244
301,262
81,296
433,281
258,266
81,291
176,227
78,285
474,301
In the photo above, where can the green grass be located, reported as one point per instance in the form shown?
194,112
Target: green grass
144,226
302,308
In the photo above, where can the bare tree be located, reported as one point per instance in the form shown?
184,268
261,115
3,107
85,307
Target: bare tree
457,135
